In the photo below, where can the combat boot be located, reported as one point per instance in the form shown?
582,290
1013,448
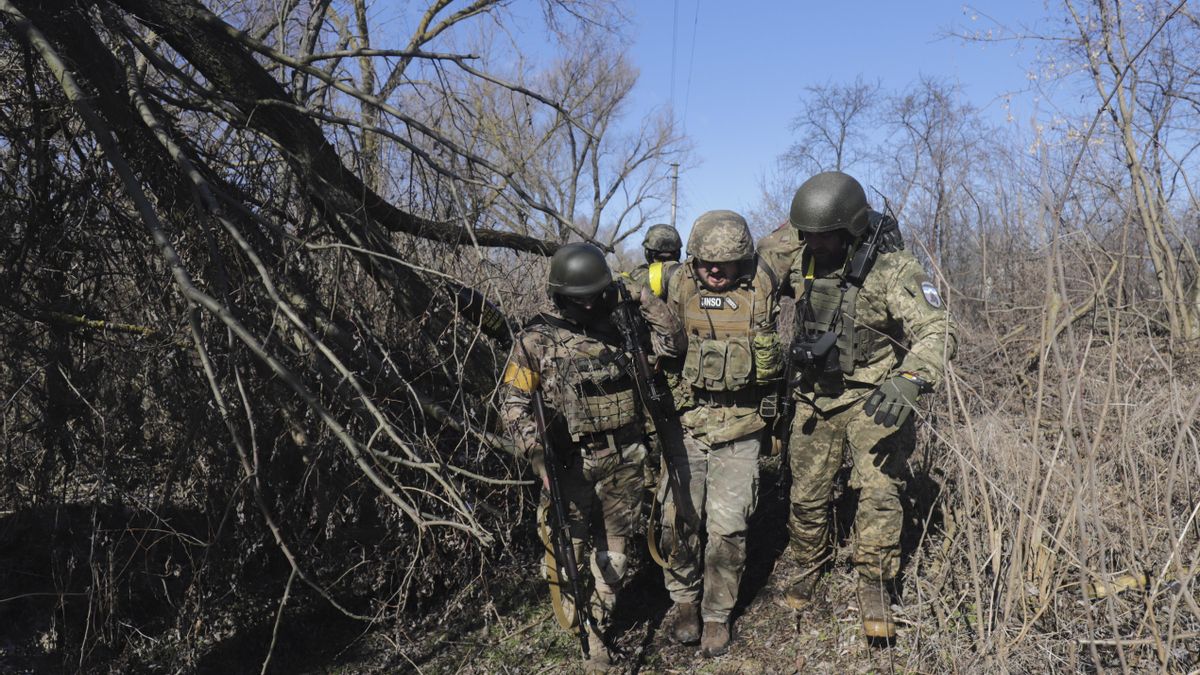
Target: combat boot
716,638
685,629
875,610
599,658
801,593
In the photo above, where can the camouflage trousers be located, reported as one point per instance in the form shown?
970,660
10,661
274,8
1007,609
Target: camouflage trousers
603,493
879,456
719,488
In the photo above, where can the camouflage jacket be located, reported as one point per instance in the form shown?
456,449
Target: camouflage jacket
779,248
655,275
900,322
583,374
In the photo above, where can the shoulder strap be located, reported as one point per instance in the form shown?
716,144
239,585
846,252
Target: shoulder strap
771,276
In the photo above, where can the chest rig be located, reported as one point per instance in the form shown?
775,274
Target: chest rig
721,328
593,391
825,317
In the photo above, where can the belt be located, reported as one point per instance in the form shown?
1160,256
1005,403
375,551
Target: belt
748,397
604,443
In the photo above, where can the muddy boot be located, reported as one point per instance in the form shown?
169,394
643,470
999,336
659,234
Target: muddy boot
599,660
685,629
800,594
716,639
875,610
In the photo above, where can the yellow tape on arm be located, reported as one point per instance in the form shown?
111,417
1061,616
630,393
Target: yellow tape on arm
521,377
656,279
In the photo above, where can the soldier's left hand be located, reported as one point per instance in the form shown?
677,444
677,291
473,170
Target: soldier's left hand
893,401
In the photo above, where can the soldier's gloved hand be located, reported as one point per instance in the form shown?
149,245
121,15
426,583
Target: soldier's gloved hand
893,401
476,308
890,237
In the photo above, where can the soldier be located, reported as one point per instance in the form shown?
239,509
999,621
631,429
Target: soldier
872,334
727,302
661,247
574,355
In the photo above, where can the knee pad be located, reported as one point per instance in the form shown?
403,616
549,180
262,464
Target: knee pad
609,566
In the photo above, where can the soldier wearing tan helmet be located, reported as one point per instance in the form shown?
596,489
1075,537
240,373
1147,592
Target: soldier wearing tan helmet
575,357
727,302
873,334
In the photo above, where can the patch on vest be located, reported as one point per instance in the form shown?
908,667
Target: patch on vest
931,294
711,302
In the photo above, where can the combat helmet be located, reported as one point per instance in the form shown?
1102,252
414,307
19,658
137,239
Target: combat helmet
720,236
576,270
662,242
830,201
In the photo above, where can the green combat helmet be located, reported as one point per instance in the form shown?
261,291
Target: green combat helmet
720,236
830,201
662,242
578,270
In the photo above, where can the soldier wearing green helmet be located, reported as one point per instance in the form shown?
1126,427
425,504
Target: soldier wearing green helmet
727,301
872,335
574,355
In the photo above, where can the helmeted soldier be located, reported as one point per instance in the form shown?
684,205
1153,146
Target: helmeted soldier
574,354
727,302
661,247
873,334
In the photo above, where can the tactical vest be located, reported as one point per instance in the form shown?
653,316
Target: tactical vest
595,391
721,329
824,297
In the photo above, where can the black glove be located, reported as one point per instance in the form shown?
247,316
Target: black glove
890,237
893,401
476,309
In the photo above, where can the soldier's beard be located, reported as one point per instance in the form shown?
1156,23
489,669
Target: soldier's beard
830,262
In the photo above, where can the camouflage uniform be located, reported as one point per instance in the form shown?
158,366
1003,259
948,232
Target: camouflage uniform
594,419
733,351
897,323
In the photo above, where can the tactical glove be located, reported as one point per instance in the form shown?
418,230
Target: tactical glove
476,309
893,401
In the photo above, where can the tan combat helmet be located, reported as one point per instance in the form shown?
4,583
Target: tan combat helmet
720,236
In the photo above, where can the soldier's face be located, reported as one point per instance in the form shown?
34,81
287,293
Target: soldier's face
717,275
827,247
585,302
661,256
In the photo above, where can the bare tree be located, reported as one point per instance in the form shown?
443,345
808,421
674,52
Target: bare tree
264,205
1139,59
831,126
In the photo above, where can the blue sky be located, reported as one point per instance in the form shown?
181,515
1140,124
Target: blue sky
752,61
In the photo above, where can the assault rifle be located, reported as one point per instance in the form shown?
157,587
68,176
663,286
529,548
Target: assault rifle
560,530
656,396
479,311
635,335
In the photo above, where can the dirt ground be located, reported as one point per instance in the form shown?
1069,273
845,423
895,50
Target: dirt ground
768,636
